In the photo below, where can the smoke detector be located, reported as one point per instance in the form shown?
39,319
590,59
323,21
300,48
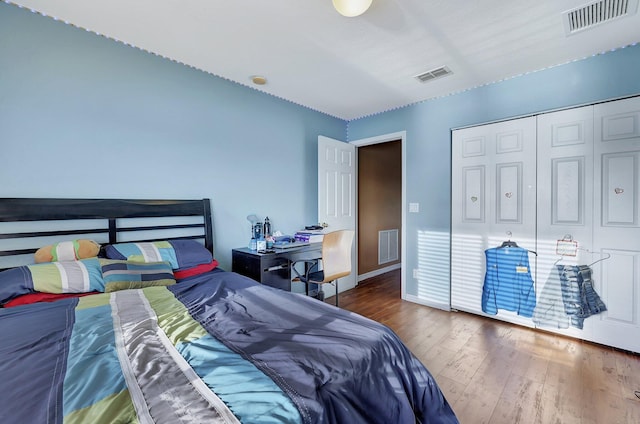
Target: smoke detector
596,13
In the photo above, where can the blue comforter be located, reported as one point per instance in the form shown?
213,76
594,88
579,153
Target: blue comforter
214,348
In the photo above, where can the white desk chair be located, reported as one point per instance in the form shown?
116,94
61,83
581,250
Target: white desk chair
336,262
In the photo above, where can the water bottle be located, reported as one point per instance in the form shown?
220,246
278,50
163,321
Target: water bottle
267,228
267,233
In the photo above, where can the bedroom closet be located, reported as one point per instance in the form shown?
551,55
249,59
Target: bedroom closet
564,187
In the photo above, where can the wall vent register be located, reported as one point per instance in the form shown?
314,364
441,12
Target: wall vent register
440,72
597,13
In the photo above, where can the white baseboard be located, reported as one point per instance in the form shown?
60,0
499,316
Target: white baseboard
416,299
380,271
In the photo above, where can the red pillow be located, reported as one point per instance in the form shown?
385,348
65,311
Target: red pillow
29,298
196,270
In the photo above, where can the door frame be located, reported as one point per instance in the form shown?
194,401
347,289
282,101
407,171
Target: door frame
384,138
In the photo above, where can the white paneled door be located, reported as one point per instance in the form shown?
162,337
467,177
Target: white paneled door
493,200
567,185
336,194
565,207
617,221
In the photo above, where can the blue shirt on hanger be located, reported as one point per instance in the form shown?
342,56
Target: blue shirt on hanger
507,283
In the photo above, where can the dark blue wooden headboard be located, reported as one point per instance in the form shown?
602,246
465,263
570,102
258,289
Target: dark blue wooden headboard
105,217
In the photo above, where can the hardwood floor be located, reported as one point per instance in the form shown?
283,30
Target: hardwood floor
497,373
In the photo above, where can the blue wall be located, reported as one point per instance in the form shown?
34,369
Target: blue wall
85,116
428,128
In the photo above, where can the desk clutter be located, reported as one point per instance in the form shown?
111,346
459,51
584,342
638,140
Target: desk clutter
310,236
263,239
300,238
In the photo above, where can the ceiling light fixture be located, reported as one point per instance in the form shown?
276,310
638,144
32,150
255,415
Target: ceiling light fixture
351,8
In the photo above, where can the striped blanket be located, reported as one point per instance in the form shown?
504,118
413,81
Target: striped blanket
216,348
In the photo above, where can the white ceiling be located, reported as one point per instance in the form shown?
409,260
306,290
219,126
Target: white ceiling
350,67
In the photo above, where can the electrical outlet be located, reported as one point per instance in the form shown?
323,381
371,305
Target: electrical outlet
415,273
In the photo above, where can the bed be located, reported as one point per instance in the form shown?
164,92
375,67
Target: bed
151,330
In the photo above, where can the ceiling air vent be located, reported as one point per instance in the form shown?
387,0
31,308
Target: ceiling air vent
597,13
443,71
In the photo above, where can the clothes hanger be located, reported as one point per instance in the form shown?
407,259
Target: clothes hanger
509,243
608,255
567,246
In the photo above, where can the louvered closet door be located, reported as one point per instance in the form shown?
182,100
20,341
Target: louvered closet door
565,198
617,221
493,194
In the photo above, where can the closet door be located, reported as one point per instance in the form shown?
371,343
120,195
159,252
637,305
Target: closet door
493,200
565,206
617,221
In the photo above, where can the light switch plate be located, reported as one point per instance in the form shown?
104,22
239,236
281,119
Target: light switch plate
414,207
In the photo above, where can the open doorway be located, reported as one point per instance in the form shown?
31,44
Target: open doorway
379,222
337,202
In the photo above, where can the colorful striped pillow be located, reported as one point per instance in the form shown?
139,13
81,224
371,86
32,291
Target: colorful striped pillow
67,276
124,275
52,277
182,253
157,251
